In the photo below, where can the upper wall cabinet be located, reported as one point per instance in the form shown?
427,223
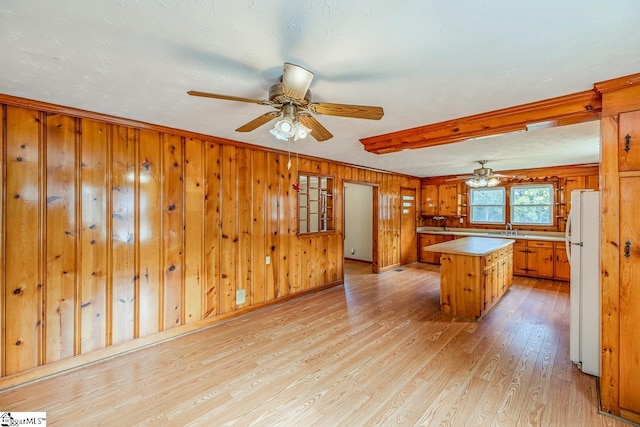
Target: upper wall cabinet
439,200
629,142
429,200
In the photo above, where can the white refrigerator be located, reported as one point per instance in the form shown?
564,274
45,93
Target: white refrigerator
583,251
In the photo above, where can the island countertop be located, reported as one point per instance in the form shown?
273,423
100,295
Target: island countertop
474,246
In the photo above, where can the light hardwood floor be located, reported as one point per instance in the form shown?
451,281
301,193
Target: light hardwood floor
373,352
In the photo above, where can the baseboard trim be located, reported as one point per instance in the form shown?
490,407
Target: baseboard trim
65,365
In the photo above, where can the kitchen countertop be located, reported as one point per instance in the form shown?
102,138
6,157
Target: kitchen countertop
549,236
475,246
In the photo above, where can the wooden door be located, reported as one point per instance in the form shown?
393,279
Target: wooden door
448,199
540,258
561,268
629,294
429,200
520,257
629,141
408,235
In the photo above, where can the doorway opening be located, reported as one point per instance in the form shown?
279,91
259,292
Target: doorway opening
360,223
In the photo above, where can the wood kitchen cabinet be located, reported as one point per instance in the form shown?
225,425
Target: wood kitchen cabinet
430,239
448,200
540,258
474,275
498,272
561,268
429,200
533,258
630,294
439,200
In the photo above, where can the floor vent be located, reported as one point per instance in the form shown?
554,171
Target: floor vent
399,269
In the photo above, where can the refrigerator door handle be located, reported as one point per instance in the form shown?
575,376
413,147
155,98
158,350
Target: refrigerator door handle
567,237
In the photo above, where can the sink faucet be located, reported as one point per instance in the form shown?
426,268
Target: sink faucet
508,228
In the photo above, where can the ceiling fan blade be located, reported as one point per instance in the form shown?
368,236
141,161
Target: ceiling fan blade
510,176
345,110
319,132
228,98
460,177
258,121
296,81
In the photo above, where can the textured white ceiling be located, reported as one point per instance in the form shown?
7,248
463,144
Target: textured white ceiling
423,61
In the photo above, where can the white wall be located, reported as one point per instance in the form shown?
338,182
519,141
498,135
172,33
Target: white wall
358,222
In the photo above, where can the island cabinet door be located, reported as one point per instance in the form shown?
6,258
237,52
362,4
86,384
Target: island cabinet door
503,271
461,281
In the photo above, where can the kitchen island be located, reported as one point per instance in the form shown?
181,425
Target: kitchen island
475,272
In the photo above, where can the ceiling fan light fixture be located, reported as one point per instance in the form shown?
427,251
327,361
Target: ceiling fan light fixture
301,131
493,181
284,129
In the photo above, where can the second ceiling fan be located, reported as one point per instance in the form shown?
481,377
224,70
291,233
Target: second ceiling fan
291,99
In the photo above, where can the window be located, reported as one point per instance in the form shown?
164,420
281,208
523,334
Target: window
315,203
487,205
532,204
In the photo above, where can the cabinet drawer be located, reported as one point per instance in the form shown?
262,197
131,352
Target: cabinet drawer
540,244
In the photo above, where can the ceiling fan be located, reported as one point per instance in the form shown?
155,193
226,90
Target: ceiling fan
483,177
291,99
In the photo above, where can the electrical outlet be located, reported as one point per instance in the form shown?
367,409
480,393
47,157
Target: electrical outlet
461,220
267,260
241,296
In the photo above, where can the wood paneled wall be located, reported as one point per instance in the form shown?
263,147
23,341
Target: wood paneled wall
112,232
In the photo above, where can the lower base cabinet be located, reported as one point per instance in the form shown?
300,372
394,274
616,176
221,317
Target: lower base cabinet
534,258
430,239
471,285
539,258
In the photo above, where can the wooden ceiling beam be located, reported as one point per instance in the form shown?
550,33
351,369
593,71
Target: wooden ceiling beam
574,108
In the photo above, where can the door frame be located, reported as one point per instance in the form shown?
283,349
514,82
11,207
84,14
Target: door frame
375,265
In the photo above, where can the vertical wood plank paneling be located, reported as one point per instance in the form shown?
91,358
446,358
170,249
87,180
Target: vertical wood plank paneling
173,227
22,293
259,230
3,205
150,203
336,245
212,229
194,278
229,229
126,227
61,235
272,226
244,261
284,279
93,235
295,245
610,267
123,262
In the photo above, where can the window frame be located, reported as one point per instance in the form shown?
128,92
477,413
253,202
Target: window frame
503,205
551,204
314,205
